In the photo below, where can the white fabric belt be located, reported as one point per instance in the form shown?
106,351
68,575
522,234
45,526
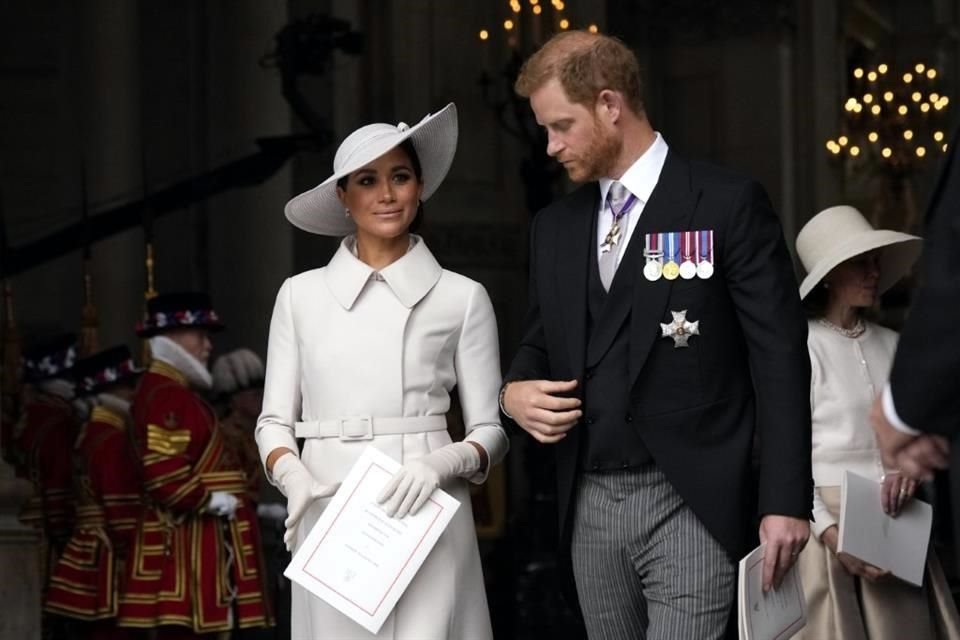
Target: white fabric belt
366,427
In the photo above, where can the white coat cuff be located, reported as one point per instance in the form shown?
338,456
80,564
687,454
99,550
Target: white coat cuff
494,441
270,439
890,412
822,518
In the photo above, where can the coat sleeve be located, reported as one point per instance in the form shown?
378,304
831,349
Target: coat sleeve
116,482
477,363
55,468
281,388
530,361
177,433
761,281
927,362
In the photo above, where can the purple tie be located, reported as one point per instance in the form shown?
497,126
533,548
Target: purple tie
619,201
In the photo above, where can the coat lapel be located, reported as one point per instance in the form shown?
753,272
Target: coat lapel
671,208
616,307
572,261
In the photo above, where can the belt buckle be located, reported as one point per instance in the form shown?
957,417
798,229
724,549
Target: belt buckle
356,428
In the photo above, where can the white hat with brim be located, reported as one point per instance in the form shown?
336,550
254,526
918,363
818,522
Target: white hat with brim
320,211
839,233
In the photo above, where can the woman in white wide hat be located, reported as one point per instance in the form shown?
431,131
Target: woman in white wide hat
365,351
849,264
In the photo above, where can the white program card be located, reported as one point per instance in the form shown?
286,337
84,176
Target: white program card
358,559
775,615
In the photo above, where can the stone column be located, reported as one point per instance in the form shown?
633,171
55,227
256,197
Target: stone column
107,74
19,549
250,242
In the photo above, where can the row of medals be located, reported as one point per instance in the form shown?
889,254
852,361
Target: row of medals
688,269
655,268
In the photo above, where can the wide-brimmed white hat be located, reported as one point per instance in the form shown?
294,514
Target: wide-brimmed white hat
840,233
319,210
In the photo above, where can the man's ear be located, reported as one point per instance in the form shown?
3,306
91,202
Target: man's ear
609,105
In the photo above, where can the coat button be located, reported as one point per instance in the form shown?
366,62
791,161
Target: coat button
629,417
589,375
590,420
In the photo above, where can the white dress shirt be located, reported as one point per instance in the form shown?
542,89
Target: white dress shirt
640,179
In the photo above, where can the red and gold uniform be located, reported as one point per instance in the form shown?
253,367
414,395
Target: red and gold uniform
241,450
188,567
84,584
44,449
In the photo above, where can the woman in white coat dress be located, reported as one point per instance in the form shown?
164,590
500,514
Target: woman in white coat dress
366,351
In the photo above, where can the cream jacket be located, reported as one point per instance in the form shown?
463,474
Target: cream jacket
348,342
847,375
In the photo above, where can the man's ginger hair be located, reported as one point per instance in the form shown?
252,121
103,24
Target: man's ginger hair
585,64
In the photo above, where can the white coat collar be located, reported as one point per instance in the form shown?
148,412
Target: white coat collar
410,277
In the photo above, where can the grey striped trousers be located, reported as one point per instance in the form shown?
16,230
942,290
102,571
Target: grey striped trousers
646,568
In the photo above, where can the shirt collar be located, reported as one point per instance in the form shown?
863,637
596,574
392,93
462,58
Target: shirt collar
642,176
410,277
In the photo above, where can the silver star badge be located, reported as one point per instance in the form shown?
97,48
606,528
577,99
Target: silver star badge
680,330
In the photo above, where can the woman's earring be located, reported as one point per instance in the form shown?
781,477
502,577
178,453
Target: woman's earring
346,212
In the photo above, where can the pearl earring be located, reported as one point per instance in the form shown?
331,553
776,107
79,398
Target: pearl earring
346,212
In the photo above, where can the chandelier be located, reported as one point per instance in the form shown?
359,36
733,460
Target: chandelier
894,118
527,24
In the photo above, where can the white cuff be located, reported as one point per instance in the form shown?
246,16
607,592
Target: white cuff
494,441
272,436
890,412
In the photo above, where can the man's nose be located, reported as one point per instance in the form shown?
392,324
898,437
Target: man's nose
554,146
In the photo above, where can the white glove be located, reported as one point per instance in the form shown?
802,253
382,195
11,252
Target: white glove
222,504
412,485
297,483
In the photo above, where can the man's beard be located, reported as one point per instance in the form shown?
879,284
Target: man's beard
598,159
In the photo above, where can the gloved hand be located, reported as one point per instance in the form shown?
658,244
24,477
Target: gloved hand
222,504
298,485
412,485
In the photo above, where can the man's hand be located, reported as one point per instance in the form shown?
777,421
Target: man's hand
924,455
536,406
853,566
785,538
890,440
896,491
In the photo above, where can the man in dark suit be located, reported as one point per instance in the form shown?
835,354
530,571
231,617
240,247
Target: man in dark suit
918,412
664,324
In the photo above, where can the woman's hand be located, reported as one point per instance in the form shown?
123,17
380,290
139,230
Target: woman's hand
412,485
895,491
853,566
297,483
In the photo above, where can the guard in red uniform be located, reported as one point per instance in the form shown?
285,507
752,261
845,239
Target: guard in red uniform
42,452
195,565
43,441
84,583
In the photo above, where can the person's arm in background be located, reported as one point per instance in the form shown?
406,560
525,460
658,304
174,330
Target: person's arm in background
921,396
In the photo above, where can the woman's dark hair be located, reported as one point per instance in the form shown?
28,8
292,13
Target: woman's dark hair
407,147
815,304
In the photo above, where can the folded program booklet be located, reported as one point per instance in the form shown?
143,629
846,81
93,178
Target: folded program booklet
898,545
775,615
